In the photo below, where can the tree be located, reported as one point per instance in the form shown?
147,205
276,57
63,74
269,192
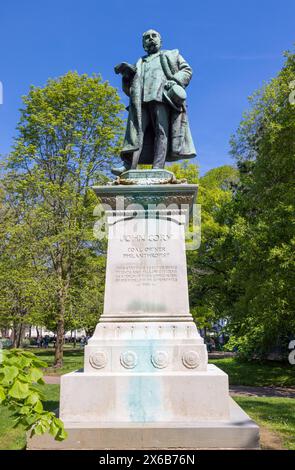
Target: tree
19,285
262,236
68,133
207,266
208,271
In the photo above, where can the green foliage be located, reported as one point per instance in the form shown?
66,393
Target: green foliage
13,437
51,266
51,271
261,219
206,268
257,343
244,270
19,376
73,117
185,170
246,346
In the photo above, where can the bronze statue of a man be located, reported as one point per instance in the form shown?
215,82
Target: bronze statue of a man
157,127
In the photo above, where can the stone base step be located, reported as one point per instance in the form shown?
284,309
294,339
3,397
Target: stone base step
152,396
238,432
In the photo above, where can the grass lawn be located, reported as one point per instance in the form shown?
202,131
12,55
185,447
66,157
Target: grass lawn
10,438
276,414
255,374
73,360
15,438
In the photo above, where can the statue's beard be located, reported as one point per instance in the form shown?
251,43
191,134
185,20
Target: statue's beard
152,48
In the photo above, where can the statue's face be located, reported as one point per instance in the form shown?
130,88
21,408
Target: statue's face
151,41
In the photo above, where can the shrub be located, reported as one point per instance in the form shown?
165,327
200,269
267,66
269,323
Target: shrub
20,376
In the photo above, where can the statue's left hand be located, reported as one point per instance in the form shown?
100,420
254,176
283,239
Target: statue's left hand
169,84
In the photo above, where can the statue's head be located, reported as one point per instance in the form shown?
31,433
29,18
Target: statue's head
151,41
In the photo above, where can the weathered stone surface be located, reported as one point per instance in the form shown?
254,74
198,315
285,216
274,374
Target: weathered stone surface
146,307
237,432
146,177
156,395
146,268
167,196
146,382
180,341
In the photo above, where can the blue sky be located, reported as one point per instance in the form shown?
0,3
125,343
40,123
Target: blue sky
232,46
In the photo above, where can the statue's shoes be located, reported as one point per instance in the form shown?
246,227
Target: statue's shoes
118,170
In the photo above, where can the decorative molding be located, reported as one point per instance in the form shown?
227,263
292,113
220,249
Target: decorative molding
177,199
160,359
120,197
98,360
128,359
146,177
191,359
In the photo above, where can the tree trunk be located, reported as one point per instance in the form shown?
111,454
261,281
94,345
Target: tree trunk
14,335
60,331
64,274
89,331
19,335
58,358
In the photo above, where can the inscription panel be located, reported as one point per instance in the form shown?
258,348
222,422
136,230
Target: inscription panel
145,275
146,268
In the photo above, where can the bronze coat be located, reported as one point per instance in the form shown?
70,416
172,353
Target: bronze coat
181,145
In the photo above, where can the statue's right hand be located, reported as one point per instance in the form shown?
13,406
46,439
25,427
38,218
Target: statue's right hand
169,84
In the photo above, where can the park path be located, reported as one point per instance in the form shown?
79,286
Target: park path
282,392
52,379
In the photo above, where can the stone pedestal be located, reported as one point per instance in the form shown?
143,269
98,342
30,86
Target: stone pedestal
146,381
